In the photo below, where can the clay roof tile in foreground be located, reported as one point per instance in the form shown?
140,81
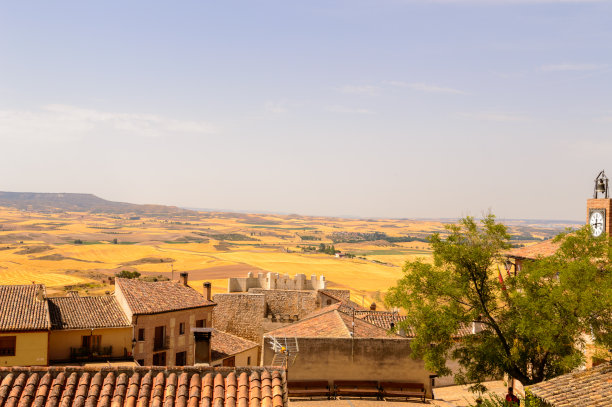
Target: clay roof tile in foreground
587,388
142,386
21,310
86,312
153,297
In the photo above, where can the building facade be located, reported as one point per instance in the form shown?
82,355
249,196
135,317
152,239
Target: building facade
162,315
24,325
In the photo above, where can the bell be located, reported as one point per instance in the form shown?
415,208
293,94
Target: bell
601,186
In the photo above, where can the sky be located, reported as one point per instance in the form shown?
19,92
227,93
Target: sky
369,108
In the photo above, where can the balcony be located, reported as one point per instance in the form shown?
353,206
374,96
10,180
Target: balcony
161,343
85,353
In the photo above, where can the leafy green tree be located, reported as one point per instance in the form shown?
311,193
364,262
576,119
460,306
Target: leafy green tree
533,324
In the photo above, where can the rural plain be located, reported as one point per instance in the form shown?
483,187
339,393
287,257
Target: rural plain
80,251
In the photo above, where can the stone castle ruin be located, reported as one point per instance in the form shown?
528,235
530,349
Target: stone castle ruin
274,281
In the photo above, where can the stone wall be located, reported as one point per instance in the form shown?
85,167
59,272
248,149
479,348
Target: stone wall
240,314
274,281
332,359
288,304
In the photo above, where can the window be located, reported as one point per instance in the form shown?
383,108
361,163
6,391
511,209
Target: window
328,302
181,358
160,341
248,361
141,336
7,345
201,323
231,362
159,359
140,362
181,331
91,342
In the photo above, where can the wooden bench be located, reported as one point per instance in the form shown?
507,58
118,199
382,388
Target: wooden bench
309,388
361,388
402,389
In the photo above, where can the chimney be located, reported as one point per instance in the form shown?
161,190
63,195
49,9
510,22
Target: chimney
40,293
73,293
207,290
183,278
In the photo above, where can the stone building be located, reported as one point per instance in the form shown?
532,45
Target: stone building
162,315
251,313
24,325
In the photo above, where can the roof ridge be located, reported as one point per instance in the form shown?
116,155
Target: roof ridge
348,331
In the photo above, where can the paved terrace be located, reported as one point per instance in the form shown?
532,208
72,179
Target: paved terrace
452,396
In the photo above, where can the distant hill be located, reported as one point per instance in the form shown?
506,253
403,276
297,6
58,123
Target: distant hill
62,202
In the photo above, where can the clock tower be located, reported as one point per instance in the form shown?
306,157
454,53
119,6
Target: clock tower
599,209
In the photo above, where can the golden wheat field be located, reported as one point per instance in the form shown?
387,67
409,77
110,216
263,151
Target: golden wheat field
81,251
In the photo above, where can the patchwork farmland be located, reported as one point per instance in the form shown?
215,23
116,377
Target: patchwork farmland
81,250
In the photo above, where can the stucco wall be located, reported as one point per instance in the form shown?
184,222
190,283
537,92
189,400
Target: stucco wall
177,343
240,314
30,349
60,341
242,358
359,359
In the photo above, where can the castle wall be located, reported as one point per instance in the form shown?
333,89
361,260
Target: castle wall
275,281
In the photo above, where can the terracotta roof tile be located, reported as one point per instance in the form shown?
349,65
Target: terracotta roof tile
383,319
330,322
20,310
147,297
142,387
542,249
224,344
86,312
587,388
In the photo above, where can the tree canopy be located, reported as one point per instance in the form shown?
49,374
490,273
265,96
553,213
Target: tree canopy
534,323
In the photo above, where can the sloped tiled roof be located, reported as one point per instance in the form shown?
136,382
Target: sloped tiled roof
86,312
20,310
588,388
148,297
329,322
542,249
224,344
142,386
383,319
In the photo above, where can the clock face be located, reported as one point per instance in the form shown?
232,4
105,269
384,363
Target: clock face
596,220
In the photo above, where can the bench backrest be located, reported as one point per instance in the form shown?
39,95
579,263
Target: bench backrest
402,385
308,384
356,383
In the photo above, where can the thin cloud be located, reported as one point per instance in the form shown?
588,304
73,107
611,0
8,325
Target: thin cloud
276,107
424,87
360,90
571,67
57,122
493,117
350,110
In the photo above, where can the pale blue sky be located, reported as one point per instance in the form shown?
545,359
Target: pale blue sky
366,108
